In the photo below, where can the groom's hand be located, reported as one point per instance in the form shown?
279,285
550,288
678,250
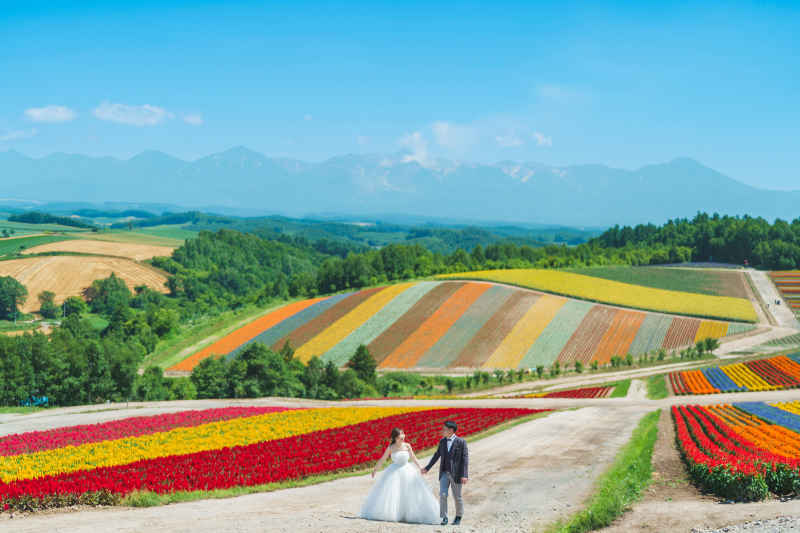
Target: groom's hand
424,471
464,480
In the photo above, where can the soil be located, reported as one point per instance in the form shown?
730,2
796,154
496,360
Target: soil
139,252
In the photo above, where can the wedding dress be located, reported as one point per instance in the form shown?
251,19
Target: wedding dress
401,495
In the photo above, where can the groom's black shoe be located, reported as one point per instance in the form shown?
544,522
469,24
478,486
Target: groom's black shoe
444,521
457,521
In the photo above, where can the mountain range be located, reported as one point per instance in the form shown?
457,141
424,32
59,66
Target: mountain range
373,185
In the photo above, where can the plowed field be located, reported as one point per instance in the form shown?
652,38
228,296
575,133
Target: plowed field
69,275
139,252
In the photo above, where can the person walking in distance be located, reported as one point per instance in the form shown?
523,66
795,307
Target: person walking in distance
453,458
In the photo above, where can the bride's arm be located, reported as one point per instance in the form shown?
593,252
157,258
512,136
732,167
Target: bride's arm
414,457
378,466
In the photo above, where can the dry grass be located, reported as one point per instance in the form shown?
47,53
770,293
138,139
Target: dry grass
139,252
69,275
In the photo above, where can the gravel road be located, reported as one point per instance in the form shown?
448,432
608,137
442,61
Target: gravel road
779,525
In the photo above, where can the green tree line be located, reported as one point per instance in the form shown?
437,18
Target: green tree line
722,239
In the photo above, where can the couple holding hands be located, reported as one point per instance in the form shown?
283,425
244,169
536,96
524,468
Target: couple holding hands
401,495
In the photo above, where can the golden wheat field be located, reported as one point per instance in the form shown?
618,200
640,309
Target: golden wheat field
139,252
69,275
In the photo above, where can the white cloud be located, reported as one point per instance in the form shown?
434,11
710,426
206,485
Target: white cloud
508,140
453,136
363,140
50,113
193,118
144,115
542,139
417,146
13,135
308,118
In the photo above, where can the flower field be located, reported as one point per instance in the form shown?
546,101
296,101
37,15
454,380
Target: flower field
459,324
788,283
621,294
591,392
214,449
743,451
781,372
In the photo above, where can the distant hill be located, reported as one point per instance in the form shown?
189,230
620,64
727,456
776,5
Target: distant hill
394,184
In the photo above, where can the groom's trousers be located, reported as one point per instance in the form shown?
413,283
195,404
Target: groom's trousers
445,482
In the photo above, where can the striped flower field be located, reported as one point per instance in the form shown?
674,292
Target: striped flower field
464,324
743,451
788,283
781,372
213,449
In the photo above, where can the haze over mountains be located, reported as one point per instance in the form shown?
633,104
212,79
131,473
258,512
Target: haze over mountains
382,184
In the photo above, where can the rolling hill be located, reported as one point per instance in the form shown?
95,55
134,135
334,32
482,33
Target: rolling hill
461,324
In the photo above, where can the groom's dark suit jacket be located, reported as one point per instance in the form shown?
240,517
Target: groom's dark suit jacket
459,458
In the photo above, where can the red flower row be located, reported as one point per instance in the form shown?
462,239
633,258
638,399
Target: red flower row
267,462
728,464
592,392
36,441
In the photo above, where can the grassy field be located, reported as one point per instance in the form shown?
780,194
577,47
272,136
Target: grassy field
134,237
169,232
710,282
38,228
656,387
10,245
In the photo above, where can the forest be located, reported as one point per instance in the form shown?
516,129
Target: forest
721,239
229,270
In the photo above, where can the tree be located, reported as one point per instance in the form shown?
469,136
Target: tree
74,305
287,351
450,384
47,306
578,367
208,377
104,295
150,386
129,226
499,374
540,370
13,295
364,365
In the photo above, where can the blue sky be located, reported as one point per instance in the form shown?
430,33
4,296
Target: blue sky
622,84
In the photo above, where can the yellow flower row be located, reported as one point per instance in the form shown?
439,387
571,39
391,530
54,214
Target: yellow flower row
792,407
180,441
343,327
744,377
617,293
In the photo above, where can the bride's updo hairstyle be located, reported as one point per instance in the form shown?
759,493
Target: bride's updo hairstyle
396,433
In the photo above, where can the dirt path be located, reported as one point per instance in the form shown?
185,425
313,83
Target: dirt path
521,478
782,314
637,390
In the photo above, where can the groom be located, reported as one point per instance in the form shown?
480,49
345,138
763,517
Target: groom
452,470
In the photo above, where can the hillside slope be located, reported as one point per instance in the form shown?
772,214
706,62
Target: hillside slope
461,324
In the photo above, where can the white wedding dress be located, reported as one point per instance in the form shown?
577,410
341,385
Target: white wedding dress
401,495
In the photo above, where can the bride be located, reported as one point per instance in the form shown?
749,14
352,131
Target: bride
401,495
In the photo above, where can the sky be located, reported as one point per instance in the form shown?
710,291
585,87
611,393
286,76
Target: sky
624,84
